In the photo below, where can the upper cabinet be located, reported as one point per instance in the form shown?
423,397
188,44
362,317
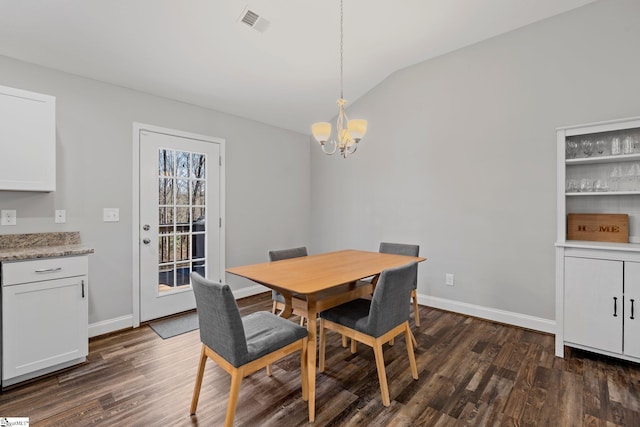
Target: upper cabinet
27,141
599,172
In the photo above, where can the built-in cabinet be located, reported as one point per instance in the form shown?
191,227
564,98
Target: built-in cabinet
44,316
601,298
598,283
27,141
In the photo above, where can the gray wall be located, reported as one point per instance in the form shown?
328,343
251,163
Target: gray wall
460,155
267,177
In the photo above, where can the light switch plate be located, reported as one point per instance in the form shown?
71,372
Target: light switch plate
8,217
60,216
111,214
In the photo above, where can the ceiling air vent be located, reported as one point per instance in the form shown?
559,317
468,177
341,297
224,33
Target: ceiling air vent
254,20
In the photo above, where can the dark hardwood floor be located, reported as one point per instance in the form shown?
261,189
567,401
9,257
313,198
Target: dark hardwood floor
472,372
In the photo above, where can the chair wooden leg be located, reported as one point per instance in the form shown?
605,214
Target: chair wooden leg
382,374
392,341
354,346
236,379
410,353
301,321
274,309
303,370
414,295
413,339
344,341
199,375
322,346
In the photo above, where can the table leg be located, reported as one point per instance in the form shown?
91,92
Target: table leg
312,354
288,307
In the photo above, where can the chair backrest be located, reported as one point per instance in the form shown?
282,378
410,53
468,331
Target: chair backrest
221,326
401,249
389,306
287,253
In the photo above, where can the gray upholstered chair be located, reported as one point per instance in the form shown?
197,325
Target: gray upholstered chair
241,345
376,321
410,250
278,299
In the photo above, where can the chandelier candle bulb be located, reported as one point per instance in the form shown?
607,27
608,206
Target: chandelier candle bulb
321,132
357,128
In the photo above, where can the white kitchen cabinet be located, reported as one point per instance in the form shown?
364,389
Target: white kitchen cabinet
44,316
598,172
631,318
27,141
597,304
593,303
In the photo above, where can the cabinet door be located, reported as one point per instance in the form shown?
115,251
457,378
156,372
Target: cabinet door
593,303
27,141
43,324
632,318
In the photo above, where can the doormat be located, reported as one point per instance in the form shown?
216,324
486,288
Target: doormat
178,325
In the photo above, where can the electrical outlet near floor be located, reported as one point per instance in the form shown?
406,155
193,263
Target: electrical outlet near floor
448,279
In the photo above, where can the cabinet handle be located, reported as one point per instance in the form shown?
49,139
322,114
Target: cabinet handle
632,318
49,270
615,307
83,289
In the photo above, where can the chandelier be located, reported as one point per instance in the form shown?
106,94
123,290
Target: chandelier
349,132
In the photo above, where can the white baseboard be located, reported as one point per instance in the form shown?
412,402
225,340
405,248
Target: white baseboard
111,325
493,314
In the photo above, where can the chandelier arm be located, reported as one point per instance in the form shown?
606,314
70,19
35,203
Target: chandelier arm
335,147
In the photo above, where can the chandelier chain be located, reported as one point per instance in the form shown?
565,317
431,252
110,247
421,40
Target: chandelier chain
341,51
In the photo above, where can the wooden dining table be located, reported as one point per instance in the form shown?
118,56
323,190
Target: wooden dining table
315,283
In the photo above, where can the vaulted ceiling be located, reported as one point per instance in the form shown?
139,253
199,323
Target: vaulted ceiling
284,71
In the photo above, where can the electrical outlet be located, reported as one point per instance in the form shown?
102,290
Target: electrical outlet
111,214
8,217
448,278
61,216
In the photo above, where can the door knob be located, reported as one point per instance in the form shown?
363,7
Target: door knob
146,241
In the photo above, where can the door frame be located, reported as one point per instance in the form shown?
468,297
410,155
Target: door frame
135,205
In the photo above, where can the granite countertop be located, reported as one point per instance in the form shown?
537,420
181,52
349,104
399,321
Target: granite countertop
15,247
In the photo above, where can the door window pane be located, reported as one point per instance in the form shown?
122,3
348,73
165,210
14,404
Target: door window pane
182,233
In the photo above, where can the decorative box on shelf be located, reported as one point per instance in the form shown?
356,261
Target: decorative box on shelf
598,227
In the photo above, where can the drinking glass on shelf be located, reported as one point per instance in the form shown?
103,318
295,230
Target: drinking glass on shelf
628,145
572,149
614,177
600,146
587,147
572,186
586,185
600,185
629,178
616,148
636,177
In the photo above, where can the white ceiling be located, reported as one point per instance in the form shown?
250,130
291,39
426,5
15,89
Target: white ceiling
196,51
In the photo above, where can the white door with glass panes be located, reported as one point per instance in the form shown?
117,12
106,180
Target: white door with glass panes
180,219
